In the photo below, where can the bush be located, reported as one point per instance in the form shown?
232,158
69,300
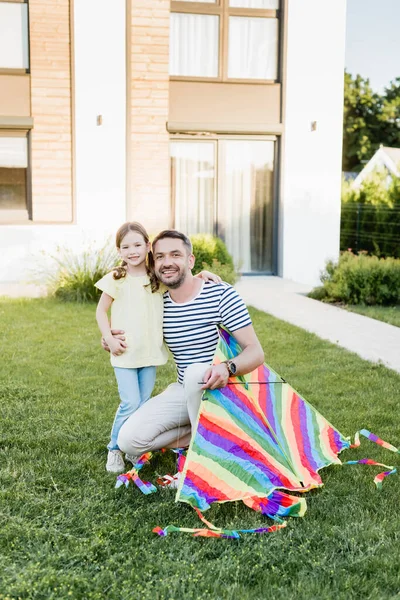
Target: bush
319,293
212,254
361,279
207,247
226,272
75,274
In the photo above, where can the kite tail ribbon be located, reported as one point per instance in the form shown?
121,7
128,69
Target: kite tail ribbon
212,531
373,438
144,486
378,479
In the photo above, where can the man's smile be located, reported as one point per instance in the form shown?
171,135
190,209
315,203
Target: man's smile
169,271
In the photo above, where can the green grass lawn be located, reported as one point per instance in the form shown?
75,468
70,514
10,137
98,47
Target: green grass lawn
67,533
388,314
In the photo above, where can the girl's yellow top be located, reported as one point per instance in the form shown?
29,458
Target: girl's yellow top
139,313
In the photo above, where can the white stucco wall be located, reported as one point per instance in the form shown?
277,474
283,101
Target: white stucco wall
311,160
100,167
100,89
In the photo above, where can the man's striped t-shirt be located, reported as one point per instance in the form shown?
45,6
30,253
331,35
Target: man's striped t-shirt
190,329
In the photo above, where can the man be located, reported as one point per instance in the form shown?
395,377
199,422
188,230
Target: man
192,310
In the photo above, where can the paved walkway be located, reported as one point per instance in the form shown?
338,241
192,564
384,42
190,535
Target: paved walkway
371,339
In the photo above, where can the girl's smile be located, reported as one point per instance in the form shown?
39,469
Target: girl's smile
133,250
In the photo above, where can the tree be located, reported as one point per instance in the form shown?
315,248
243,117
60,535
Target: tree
389,116
360,125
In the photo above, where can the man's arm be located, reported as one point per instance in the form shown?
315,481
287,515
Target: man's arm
251,357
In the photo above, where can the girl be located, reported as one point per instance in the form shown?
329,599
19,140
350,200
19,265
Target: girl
134,295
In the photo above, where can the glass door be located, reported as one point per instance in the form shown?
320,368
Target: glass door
193,186
245,202
226,187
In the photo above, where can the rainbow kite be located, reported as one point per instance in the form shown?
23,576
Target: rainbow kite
255,440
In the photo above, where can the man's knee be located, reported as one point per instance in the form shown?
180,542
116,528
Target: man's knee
130,441
193,382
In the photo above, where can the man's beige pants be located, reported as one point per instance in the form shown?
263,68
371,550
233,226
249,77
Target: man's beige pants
166,419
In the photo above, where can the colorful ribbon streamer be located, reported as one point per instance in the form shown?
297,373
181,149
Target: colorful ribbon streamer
144,486
378,479
373,438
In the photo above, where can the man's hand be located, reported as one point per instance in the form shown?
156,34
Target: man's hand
119,335
216,377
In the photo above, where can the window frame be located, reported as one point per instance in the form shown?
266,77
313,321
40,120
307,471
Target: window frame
222,9
7,216
13,70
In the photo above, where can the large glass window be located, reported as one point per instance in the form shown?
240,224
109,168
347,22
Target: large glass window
228,40
242,211
253,48
14,52
245,202
193,186
194,45
13,176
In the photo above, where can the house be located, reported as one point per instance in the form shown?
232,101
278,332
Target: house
220,116
385,159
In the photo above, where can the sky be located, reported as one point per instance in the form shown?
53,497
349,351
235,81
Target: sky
373,40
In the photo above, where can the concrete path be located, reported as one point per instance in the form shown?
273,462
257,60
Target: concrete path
371,339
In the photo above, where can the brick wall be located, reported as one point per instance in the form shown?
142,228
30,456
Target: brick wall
50,61
148,157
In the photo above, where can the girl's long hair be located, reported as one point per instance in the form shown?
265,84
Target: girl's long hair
121,270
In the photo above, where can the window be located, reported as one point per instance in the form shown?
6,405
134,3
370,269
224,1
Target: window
225,40
253,48
193,183
241,213
14,53
194,45
13,176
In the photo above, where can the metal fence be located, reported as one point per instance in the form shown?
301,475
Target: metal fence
374,229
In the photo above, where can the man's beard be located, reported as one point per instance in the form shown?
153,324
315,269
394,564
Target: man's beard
172,285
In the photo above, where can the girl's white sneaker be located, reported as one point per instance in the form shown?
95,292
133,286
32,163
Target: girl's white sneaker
115,462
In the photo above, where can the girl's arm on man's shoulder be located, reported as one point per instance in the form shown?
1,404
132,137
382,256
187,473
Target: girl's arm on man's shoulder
208,276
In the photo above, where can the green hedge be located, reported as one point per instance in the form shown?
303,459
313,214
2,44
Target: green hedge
360,279
212,254
74,276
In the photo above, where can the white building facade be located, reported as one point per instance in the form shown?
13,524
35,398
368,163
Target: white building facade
219,117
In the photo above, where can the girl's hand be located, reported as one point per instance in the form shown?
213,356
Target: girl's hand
208,276
117,334
116,347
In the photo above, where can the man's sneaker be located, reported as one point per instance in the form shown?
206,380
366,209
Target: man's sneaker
115,462
132,458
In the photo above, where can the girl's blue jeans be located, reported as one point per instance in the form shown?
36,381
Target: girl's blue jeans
135,387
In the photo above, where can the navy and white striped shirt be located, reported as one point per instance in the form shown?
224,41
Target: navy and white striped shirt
190,329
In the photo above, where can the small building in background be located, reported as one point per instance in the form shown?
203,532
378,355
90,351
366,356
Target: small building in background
211,116
385,160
